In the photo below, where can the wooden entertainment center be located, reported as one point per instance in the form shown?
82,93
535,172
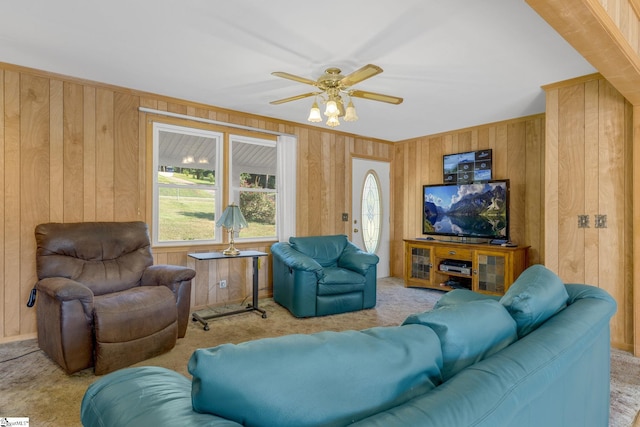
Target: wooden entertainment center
481,267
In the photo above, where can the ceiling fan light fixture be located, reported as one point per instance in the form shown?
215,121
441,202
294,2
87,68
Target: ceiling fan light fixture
333,121
314,113
333,89
350,113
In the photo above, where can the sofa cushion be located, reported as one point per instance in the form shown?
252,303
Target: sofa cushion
324,249
468,332
328,378
536,295
340,281
335,275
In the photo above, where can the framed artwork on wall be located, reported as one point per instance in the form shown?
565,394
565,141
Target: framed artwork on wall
468,167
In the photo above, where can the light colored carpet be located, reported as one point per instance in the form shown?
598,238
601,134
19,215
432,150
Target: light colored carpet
625,389
35,387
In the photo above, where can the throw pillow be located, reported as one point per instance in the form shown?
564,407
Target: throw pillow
468,332
536,295
328,378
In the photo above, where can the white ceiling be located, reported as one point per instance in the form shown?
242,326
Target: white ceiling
456,63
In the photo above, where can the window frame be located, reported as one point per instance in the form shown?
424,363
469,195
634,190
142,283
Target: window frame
157,127
232,190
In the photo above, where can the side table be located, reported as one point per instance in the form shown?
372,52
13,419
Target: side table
203,256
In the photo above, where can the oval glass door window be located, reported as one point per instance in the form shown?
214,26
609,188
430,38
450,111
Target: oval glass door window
371,222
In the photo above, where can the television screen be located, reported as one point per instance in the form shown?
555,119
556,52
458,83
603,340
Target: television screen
466,168
467,210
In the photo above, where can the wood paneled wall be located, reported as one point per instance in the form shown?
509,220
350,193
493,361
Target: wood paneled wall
517,155
607,34
324,178
73,150
589,171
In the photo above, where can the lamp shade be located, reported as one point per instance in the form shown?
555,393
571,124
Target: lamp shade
333,121
332,109
232,218
314,114
350,115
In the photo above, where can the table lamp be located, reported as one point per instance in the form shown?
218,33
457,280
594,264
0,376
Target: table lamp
233,220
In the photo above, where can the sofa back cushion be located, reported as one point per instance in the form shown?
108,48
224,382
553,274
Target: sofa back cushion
324,249
328,378
468,332
104,256
536,295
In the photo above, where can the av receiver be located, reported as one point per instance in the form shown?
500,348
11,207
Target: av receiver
455,266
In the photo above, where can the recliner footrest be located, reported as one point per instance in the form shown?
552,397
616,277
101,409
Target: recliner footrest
133,325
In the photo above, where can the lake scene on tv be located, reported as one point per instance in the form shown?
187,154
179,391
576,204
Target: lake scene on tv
469,210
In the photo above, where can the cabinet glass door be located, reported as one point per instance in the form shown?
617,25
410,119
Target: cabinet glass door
491,272
421,263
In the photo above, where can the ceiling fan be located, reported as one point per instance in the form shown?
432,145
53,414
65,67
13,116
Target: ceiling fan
332,87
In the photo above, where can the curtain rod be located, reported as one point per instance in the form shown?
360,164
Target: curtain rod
213,122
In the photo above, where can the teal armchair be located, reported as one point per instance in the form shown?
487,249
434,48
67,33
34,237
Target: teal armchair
322,275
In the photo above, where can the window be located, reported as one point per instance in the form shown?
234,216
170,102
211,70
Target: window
253,184
188,179
186,184
371,221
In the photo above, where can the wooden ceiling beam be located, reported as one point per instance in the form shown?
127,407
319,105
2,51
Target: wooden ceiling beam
586,25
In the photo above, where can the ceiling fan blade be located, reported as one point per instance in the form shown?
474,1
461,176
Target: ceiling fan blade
294,98
294,78
363,73
376,96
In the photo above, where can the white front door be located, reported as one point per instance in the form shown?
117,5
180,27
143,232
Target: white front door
370,222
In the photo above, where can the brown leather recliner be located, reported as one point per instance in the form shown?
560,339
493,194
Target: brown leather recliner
100,300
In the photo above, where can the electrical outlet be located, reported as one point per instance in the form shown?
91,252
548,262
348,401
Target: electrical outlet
601,221
583,221
223,284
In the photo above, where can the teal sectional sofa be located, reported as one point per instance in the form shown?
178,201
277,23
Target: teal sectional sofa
538,356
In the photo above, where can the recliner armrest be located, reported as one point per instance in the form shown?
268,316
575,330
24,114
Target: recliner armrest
353,258
166,275
178,279
64,289
294,259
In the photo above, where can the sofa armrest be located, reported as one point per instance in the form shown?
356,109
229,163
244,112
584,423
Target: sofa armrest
294,259
355,259
581,291
166,275
146,395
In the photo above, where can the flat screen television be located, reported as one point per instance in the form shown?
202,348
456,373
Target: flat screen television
477,210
